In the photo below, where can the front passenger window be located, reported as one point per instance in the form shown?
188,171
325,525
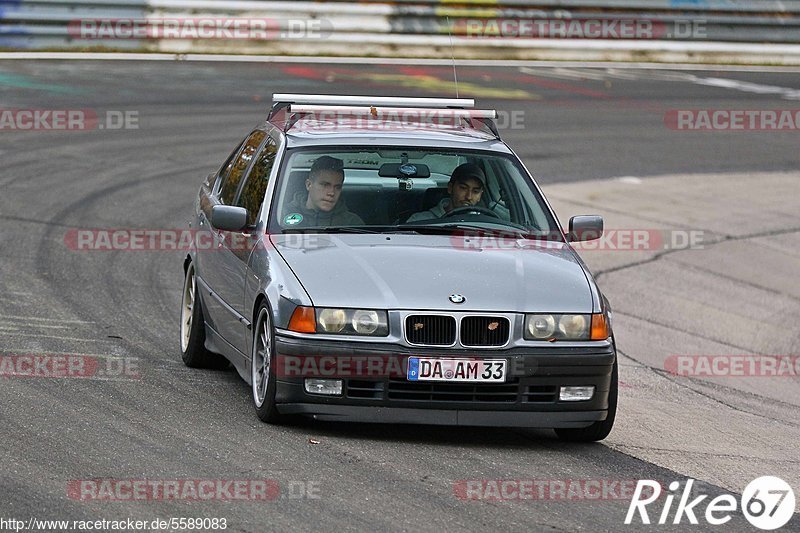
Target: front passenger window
255,186
228,191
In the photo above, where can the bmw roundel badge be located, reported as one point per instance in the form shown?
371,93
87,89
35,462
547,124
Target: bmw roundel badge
457,299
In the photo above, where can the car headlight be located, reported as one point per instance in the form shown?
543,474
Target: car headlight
332,320
539,327
568,327
574,326
352,322
365,322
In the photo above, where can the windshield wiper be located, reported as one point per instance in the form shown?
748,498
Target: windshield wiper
331,229
431,229
450,228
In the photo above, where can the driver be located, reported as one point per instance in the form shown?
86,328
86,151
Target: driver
464,189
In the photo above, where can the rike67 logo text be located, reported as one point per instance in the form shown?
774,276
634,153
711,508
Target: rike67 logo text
767,503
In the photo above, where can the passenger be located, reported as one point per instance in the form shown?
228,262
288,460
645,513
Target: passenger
320,205
464,189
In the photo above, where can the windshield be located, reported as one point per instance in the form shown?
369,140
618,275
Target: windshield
366,190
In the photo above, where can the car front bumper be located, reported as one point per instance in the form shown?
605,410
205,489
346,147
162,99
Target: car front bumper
529,397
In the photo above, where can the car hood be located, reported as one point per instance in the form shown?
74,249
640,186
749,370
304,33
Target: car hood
391,271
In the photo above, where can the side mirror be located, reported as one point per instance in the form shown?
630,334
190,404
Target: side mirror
585,228
228,217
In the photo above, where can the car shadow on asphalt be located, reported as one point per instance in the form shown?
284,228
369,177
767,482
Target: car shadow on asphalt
461,436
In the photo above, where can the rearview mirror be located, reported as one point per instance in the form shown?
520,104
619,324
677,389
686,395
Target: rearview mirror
228,217
585,228
404,170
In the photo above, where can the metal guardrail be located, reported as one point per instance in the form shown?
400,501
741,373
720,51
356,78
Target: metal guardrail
42,24
766,6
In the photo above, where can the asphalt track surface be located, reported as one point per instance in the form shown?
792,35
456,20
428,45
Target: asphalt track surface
177,423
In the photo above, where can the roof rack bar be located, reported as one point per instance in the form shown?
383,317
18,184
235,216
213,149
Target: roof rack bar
333,99
404,112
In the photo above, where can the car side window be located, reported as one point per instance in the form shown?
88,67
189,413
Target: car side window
255,185
229,187
225,170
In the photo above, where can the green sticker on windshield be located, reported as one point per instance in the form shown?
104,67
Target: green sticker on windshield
293,218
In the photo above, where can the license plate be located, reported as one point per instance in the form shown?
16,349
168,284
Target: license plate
461,370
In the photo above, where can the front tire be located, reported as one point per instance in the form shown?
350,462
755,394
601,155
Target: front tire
598,430
193,328
262,367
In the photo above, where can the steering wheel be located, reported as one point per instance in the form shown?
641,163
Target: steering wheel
472,209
